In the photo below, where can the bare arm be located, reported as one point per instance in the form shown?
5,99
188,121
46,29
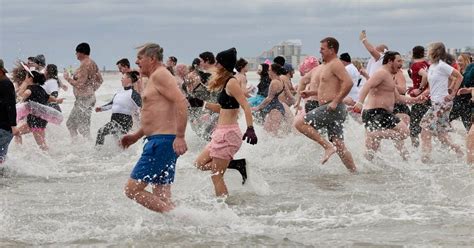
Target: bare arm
272,91
370,48
456,82
400,82
346,81
235,91
79,80
424,78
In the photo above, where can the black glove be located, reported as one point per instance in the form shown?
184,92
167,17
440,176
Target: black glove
195,102
250,136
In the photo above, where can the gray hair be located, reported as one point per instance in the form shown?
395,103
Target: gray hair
151,50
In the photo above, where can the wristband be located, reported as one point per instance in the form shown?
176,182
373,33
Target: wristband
204,106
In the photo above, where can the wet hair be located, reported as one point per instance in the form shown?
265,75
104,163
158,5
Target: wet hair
279,60
18,74
437,52
450,59
195,64
240,64
278,69
133,75
170,69
32,59
332,43
124,62
208,57
418,52
83,48
264,71
466,59
52,72
219,79
173,59
38,78
389,56
151,50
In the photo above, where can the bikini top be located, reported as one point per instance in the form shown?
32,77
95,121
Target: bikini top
226,101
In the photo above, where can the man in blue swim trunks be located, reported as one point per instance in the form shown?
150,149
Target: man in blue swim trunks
163,123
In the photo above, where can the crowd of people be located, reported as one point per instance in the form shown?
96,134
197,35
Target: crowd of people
160,97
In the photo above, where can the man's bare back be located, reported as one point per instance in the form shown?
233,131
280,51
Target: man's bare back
88,78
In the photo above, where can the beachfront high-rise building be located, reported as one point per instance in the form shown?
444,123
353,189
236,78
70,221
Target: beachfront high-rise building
290,50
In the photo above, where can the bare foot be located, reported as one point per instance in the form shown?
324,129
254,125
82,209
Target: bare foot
328,153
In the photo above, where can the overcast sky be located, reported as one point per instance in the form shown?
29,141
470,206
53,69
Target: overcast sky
186,28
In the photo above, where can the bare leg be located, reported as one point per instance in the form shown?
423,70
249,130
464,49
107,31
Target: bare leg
136,191
203,160
273,122
219,167
345,155
425,145
164,193
444,138
470,145
40,139
23,129
313,134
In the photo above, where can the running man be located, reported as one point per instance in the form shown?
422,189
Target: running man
163,123
334,85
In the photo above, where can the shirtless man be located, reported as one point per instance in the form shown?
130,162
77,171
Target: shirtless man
85,81
380,121
334,84
163,123
308,84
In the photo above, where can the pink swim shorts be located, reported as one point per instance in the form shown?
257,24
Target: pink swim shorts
225,141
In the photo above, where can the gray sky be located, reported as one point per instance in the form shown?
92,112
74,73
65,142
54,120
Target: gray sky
186,28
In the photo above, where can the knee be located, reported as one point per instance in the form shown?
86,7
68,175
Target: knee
299,123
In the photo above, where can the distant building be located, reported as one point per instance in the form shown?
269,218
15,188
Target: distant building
290,50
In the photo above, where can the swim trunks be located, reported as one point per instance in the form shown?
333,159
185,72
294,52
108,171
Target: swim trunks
157,164
333,121
401,109
379,118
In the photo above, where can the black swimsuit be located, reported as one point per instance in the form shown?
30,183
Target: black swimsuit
275,103
39,95
226,101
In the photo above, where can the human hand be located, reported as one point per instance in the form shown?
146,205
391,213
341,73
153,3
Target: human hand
462,91
59,100
332,106
179,146
98,109
128,140
362,35
250,136
357,108
15,131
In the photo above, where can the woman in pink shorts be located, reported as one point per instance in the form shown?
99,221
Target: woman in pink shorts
227,137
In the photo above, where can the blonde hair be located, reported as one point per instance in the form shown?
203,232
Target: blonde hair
466,59
219,78
357,64
151,50
437,52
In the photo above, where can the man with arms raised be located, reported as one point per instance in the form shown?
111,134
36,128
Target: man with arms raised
378,116
334,84
163,123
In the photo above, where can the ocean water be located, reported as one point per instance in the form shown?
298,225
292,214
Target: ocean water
73,195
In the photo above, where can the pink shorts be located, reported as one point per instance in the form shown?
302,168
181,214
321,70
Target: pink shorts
225,141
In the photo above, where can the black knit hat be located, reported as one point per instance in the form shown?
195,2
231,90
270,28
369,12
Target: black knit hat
227,59
83,48
345,57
